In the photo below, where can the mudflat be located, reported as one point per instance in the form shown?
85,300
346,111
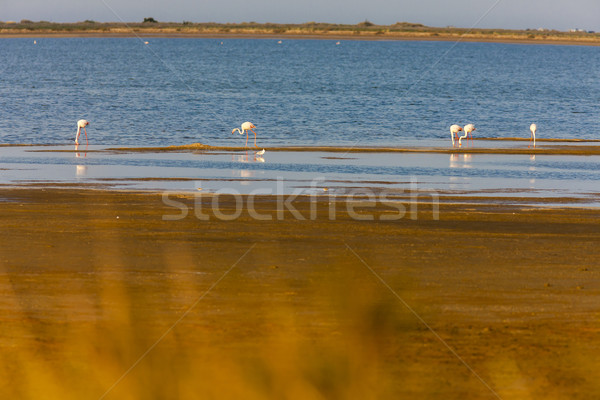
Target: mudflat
107,294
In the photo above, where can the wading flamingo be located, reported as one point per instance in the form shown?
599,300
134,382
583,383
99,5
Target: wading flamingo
82,123
246,126
532,128
468,129
454,129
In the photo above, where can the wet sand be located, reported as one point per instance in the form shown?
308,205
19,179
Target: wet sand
101,295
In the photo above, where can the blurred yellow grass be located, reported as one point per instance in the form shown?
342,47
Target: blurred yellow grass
84,295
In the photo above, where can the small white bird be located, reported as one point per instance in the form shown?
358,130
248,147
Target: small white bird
454,129
246,126
260,153
532,128
468,129
82,123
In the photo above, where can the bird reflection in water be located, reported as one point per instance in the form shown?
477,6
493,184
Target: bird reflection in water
245,157
80,170
455,160
78,153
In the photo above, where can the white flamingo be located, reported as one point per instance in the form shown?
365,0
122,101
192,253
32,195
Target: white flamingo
454,129
82,123
468,129
246,126
532,128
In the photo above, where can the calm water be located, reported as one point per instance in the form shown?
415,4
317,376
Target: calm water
489,175
177,91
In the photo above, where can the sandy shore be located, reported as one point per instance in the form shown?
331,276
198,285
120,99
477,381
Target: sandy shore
106,292
545,146
419,36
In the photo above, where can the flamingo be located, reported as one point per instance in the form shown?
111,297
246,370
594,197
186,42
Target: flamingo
82,123
468,129
246,126
532,128
454,129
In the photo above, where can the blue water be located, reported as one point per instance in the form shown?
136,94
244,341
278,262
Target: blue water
491,176
299,92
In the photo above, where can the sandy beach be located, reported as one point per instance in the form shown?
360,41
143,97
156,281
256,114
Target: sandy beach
416,36
110,294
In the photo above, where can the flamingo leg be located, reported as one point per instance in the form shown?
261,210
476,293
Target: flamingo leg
86,139
246,138
254,138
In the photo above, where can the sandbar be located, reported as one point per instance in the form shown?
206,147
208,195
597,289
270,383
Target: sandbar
547,147
562,40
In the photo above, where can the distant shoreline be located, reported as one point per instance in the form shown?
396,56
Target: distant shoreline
311,30
440,38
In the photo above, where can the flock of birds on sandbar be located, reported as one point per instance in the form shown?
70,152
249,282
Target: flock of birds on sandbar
469,128
454,129
249,126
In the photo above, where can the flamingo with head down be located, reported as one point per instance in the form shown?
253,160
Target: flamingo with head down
454,129
82,123
468,129
532,128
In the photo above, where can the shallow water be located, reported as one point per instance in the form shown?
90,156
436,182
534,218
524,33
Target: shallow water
540,177
299,92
